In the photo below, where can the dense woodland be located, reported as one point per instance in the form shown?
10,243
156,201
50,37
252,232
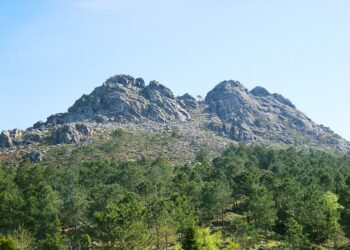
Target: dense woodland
251,197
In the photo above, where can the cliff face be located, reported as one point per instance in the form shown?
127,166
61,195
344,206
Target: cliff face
230,110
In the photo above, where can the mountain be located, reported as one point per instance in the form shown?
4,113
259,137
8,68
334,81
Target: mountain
229,110
258,115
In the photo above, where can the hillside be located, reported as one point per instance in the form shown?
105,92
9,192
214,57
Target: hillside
249,197
131,166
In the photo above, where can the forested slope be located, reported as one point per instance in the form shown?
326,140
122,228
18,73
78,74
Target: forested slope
249,197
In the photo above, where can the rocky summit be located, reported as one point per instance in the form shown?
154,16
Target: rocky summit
229,110
258,115
122,98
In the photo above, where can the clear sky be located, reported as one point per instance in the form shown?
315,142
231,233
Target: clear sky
53,51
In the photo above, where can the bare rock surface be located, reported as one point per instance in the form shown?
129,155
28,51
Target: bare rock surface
122,98
257,115
188,101
70,133
5,139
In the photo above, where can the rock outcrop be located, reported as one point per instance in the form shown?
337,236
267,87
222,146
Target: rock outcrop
33,136
258,115
70,133
122,98
260,91
10,138
283,100
6,139
188,101
35,156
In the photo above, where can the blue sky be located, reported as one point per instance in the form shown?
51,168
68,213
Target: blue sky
53,51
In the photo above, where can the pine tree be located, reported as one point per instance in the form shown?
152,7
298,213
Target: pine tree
295,236
189,241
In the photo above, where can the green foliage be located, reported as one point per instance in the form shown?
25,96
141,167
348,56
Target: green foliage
175,132
118,133
190,241
11,200
53,240
202,156
207,240
24,239
87,243
120,224
232,246
215,199
52,243
262,210
244,233
295,236
7,243
250,195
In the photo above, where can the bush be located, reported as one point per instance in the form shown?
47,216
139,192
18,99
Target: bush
7,243
118,133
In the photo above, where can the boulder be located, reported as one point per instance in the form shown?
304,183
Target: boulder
101,119
6,139
66,134
126,81
35,156
155,90
16,134
139,82
121,79
40,125
188,101
71,133
260,91
83,129
33,136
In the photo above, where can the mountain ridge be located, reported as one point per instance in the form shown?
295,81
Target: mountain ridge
231,110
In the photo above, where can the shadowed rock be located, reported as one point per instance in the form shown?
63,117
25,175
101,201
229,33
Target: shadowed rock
260,91
283,100
70,133
5,139
188,101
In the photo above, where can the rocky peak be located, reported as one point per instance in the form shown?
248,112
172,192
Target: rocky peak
156,89
126,81
260,91
226,88
123,98
228,99
258,115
